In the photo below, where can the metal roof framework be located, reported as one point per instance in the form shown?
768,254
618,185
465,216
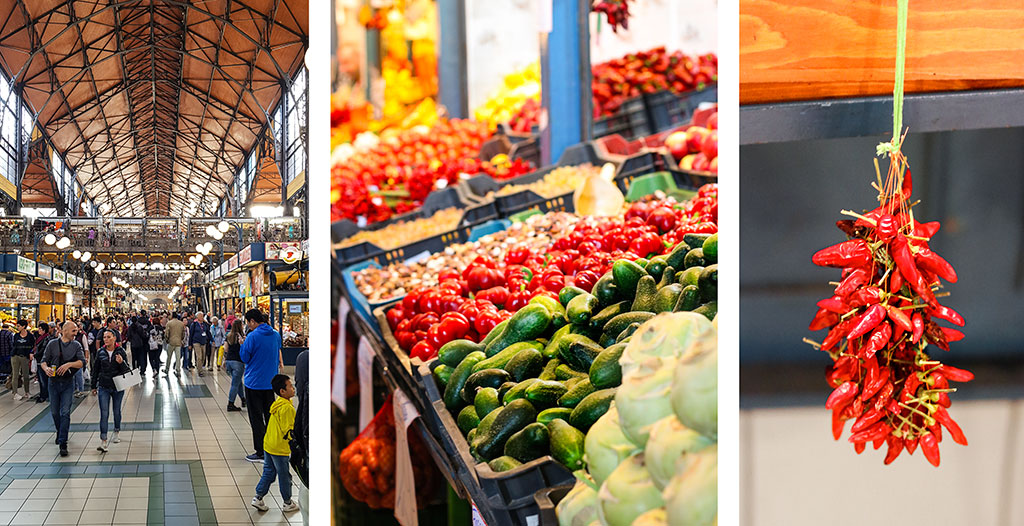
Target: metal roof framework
154,104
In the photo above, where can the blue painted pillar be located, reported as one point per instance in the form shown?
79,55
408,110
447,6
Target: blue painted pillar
565,78
452,66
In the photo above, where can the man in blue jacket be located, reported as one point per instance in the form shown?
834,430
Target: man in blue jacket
261,353
198,336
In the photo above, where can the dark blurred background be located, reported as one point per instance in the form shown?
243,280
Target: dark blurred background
790,197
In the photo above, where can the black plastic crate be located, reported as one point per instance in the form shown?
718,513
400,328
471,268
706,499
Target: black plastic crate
692,179
527,149
547,500
516,146
632,120
638,165
402,367
505,498
667,110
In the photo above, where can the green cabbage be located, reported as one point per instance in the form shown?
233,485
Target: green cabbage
671,448
691,497
667,335
605,447
627,493
655,517
578,507
695,388
643,398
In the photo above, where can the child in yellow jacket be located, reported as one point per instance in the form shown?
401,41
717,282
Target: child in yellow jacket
275,446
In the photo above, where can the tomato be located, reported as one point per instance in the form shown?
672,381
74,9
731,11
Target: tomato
411,301
394,316
647,244
663,218
486,321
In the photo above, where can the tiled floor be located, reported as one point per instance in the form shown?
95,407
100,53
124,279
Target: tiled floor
793,473
180,461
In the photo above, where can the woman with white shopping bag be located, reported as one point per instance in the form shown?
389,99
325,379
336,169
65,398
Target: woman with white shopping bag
111,361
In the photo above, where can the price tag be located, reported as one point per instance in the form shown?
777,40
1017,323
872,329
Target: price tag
364,360
405,482
338,391
478,518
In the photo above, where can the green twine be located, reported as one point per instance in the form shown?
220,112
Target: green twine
897,91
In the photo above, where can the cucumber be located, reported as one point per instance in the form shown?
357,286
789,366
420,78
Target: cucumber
564,372
480,379
511,418
526,324
627,274
527,363
709,310
566,444
452,353
675,258
580,351
708,283
620,322
503,463
694,258
591,408
485,424
548,373
486,400
646,295
573,396
581,308
531,442
495,332
556,309
467,419
710,248
548,415
626,333
605,371
453,390
695,240
441,375
505,387
609,312
545,393
656,267
568,293
668,277
667,296
605,289
519,391
689,276
689,299
501,359
551,349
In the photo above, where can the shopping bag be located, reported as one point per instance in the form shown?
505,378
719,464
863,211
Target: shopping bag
127,380
220,356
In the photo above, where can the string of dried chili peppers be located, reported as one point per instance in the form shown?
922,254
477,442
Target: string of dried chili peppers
884,314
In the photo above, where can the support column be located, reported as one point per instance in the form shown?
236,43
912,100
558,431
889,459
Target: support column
452,67
565,78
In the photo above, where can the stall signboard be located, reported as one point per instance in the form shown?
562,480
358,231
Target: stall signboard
58,275
244,287
44,271
278,250
81,282
245,256
259,280
294,308
17,294
26,266
233,263
70,279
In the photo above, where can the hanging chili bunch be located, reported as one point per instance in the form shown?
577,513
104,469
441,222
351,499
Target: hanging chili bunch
616,11
882,317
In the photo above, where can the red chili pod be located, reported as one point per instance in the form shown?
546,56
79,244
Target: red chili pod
904,260
837,424
884,395
936,430
841,396
918,327
879,339
943,312
952,335
943,418
895,282
944,400
834,304
872,433
955,374
823,319
862,297
910,445
932,262
887,227
859,447
878,442
867,321
851,282
868,419
895,448
926,230
930,447
836,335
870,388
899,317
852,253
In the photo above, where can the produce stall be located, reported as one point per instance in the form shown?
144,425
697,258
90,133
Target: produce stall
498,264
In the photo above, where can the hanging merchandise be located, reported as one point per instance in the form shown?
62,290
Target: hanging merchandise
615,11
884,313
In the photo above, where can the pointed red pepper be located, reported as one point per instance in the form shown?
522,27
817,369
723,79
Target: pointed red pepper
899,317
862,297
837,424
841,396
834,304
904,260
910,445
852,253
851,282
952,335
955,374
918,322
859,447
823,319
895,448
867,420
943,418
895,282
867,321
932,262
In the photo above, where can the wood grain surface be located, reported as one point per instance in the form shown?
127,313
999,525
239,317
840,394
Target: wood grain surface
815,49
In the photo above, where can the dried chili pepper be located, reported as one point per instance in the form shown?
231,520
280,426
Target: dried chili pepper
895,448
851,282
932,262
867,321
841,396
956,375
852,253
